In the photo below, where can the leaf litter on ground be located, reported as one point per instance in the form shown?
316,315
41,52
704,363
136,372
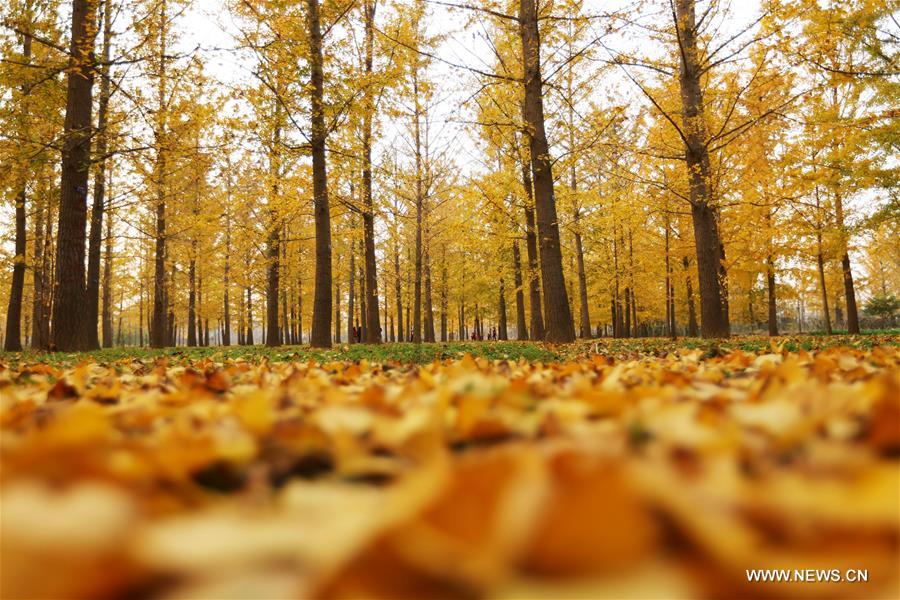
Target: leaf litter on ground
605,469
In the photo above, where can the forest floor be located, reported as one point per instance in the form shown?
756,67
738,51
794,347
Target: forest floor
642,468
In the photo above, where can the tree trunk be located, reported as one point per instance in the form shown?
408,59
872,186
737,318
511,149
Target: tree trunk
249,337
849,292
397,292
337,311
106,311
429,306
534,284
92,291
627,332
226,302
38,304
521,327
192,298
820,261
284,336
713,319
501,326
69,333
361,323
273,239
420,202
351,295
772,302
13,341
158,332
320,336
582,283
558,316
689,292
373,329
444,293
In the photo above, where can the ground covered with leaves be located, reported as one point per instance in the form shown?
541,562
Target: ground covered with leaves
643,469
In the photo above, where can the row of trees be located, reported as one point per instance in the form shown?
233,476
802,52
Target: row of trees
719,173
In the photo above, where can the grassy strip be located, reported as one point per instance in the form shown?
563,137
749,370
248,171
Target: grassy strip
408,353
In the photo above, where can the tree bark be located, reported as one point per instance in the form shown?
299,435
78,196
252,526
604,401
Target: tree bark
373,329
771,296
820,261
501,325
69,333
398,294
13,340
39,339
420,203
337,310
92,290
849,292
534,284
428,323
521,326
106,311
713,319
444,293
158,332
226,282
558,315
582,281
689,292
320,336
273,238
351,291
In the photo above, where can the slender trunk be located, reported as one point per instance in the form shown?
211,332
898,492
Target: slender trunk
158,335
420,201
13,341
521,326
713,318
770,289
429,307
849,292
226,282
534,284
141,302
192,298
337,311
38,341
397,292
670,306
444,293
361,322
106,311
373,329
820,261
351,291
627,332
501,326
320,337
689,292
249,338
92,291
273,238
284,336
617,306
69,332
582,282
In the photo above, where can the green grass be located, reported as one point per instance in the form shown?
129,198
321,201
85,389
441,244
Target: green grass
404,353
409,353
